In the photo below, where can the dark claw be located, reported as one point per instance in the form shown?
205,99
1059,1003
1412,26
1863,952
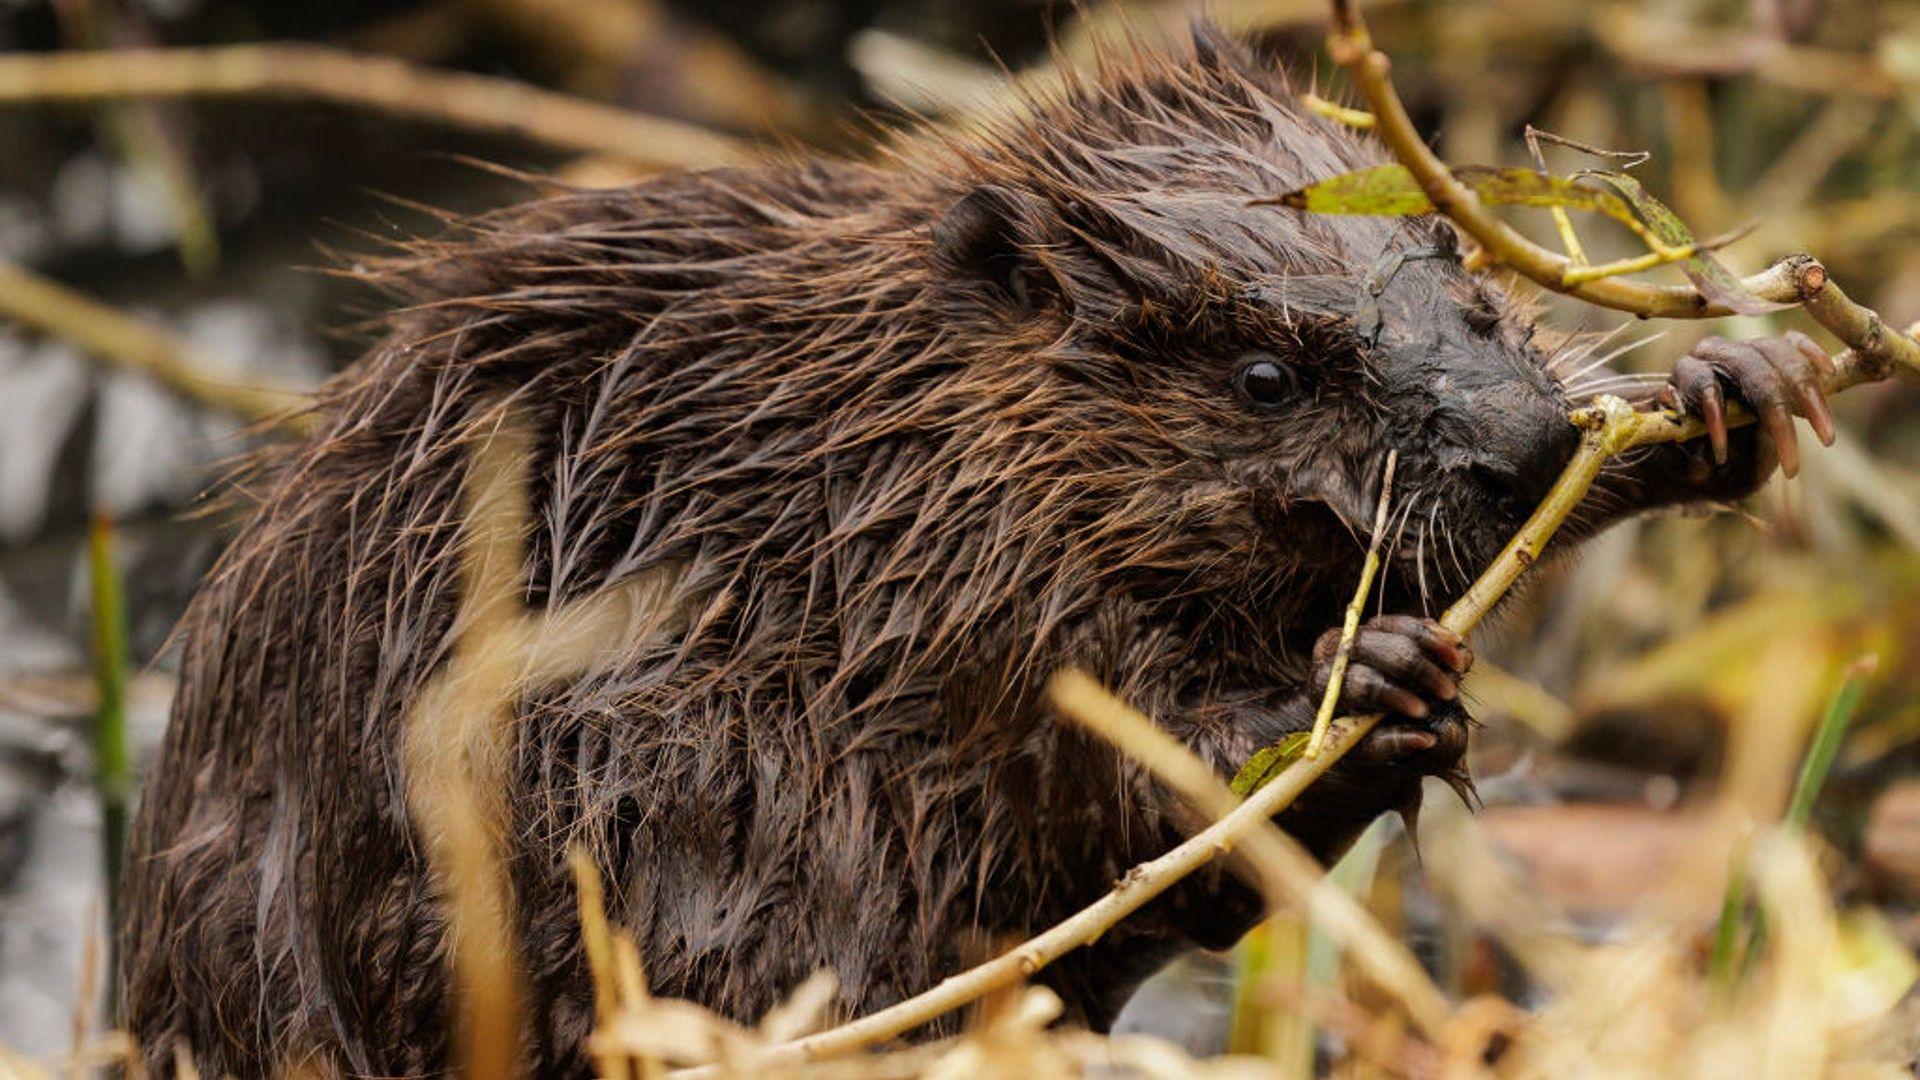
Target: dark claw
1786,444
1433,748
1755,380
1796,367
1810,349
1696,388
1774,377
1391,743
1367,690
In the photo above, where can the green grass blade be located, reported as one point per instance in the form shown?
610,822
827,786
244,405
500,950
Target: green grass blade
1826,743
113,765
1734,950
1724,961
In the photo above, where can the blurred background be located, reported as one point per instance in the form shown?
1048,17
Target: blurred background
188,235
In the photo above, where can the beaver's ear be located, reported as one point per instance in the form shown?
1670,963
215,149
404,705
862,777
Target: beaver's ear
996,236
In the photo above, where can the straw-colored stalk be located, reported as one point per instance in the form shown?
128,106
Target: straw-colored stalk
384,84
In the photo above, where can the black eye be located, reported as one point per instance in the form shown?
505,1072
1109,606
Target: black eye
1263,380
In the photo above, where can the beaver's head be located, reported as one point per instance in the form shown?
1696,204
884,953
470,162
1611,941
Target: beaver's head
1234,374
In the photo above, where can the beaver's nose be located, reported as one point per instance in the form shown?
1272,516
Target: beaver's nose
1522,442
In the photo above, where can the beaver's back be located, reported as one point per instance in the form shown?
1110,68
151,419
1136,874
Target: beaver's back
277,900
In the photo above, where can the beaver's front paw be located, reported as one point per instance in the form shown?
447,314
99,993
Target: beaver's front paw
1774,377
1408,669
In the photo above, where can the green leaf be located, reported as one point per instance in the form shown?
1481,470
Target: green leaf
1391,191
1733,952
1384,190
1714,281
1525,187
1268,763
1723,963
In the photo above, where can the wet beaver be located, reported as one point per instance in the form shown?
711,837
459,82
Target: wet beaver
907,438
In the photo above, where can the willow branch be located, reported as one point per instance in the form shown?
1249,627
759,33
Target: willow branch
1795,280
107,333
314,72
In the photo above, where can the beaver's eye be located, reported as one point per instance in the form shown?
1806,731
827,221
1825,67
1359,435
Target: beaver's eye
1263,380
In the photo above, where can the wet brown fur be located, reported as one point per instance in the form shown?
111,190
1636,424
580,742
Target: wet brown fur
913,435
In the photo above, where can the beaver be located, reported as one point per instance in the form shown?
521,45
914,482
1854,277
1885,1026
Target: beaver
905,437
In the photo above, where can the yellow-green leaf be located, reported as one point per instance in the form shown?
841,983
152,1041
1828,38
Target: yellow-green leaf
1268,763
1384,190
1391,191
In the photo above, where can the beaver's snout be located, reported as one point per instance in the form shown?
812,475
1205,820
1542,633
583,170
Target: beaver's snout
1517,439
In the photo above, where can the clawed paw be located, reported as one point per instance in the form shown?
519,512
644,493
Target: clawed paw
1408,669
1399,664
1777,378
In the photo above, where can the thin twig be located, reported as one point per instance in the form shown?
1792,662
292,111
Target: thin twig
1350,625
1576,275
315,72
1339,114
1141,884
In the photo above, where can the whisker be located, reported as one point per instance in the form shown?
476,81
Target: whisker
1580,350
1404,513
1618,382
1614,355
1453,552
1391,550
1420,564
1567,344
1625,377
